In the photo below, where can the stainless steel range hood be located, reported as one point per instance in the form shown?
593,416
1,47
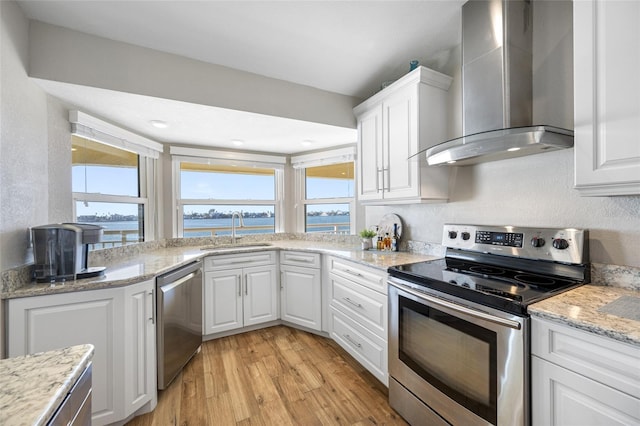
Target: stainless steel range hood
497,88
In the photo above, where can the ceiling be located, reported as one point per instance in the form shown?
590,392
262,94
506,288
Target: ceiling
346,47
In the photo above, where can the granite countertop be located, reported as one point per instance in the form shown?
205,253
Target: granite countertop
32,387
607,311
149,264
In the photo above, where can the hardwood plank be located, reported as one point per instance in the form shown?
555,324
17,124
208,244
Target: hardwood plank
264,390
244,405
273,376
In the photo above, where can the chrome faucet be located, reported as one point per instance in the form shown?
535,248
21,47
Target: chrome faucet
233,224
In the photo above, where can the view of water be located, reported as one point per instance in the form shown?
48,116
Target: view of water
223,226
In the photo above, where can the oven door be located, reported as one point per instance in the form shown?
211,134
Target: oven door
466,363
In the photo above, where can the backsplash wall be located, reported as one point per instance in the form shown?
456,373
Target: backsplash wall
529,191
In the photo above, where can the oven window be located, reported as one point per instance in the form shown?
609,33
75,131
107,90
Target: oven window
453,355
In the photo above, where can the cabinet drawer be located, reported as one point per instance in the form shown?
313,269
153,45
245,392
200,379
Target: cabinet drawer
600,358
76,407
368,349
300,258
368,277
362,304
226,261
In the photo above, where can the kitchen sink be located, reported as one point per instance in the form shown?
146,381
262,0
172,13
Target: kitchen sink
234,246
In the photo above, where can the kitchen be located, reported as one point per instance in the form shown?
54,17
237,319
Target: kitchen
533,191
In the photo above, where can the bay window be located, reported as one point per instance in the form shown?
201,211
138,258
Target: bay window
209,189
113,180
325,191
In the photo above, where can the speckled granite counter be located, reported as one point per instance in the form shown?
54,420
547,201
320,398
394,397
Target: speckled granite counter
587,308
32,387
148,264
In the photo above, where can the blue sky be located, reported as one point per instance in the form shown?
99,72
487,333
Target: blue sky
123,181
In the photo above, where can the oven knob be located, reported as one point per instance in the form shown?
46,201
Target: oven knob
465,236
537,241
453,235
560,243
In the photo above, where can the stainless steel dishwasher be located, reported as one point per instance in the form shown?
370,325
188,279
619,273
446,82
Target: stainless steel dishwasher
179,327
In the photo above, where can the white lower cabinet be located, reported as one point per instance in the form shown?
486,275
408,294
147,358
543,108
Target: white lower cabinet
578,378
369,349
239,291
301,289
118,322
359,313
140,368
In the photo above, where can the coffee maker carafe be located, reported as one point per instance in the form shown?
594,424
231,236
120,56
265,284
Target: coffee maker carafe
61,251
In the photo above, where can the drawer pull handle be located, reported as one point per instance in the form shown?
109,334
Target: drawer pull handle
356,304
349,271
353,342
300,259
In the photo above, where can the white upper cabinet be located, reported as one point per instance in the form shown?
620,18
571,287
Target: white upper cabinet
607,97
393,125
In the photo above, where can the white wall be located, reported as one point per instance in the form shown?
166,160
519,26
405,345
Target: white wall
23,139
60,54
535,190
35,145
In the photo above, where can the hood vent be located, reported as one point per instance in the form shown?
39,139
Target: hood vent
497,88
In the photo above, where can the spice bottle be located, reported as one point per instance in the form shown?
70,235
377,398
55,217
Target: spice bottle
394,238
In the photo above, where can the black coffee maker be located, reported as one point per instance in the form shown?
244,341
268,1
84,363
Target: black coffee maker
61,251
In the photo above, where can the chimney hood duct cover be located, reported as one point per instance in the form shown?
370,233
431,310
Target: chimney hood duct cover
497,88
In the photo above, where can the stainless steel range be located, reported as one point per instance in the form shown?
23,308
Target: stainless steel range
459,328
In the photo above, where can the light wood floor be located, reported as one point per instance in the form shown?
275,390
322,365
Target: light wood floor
274,376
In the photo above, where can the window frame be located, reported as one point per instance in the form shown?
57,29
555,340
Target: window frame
146,186
324,158
86,126
212,158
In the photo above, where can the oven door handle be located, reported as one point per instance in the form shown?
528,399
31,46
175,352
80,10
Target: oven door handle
454,306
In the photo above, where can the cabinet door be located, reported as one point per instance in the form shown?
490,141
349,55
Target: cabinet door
563,398
140,346
43,323
370,154
260,295
222,300
607,89
301,294
400,140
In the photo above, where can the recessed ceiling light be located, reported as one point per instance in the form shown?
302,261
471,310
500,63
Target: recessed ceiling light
159,124
237,142
306,142
451,162
513,149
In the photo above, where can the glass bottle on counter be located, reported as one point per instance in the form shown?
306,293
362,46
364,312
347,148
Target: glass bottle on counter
387,241
394,238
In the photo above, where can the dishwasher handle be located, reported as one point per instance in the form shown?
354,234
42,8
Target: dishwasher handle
170,286
176,274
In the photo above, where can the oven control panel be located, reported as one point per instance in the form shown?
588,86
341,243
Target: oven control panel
559,245
509,239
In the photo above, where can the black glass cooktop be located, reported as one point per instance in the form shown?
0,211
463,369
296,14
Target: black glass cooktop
498,286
